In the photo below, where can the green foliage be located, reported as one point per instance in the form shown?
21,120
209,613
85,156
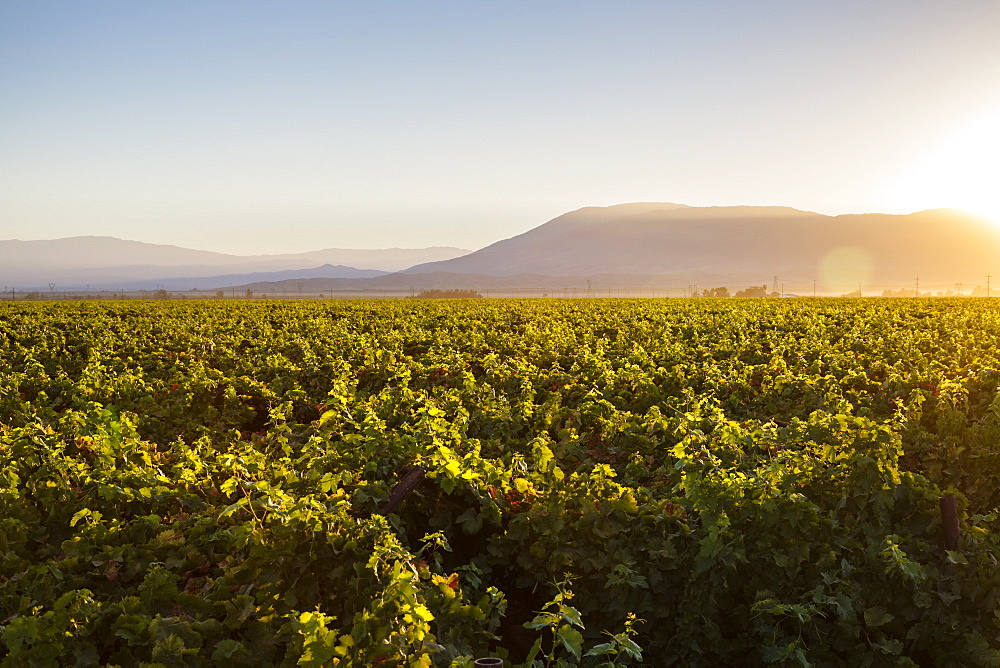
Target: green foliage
755,292
449,294
716,293
192,483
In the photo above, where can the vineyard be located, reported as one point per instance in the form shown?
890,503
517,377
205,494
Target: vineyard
553,482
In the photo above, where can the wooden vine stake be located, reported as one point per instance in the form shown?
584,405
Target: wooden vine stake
403,489
949,520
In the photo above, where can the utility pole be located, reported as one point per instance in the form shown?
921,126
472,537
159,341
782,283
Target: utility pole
814,287
988,276
918,287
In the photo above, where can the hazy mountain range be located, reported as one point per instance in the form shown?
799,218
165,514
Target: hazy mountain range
628,245
744,243
110,263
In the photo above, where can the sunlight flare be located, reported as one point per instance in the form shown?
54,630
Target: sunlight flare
846,269
963,172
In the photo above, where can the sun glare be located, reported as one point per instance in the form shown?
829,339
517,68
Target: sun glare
963,173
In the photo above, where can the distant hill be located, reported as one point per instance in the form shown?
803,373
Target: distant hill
384,259
104,252
402,281
107,262
743,244
326,271
648,245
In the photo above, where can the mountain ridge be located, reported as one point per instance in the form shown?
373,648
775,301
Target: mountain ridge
105,261
738,243
648,243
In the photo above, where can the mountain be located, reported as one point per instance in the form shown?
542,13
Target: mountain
293,276
401,283
569,244
384,259
107,262
647,244
103,252
741,244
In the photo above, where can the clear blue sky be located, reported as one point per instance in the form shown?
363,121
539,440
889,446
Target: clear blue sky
287,126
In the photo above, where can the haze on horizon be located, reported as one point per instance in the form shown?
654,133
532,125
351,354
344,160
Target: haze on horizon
270,127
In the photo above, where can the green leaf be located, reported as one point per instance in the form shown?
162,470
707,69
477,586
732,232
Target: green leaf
225,649
20,631
542,620
956,557
891,646
229,486
877,616
603,649
229,510
543,456
571,639
535,649
571,615
239,609
632,648
171,651
79,515
471,520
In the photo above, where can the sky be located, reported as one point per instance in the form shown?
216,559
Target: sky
279,127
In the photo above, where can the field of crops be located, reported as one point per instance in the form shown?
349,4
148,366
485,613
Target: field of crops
407,482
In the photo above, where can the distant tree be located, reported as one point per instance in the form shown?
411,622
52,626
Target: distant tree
753,292
161,294
219,294
448,294
717,293
249,294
